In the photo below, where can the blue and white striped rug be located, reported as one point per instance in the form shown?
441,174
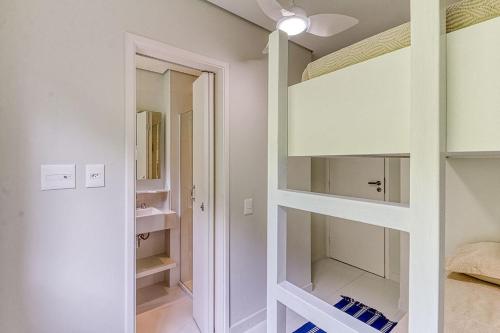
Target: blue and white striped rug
359,311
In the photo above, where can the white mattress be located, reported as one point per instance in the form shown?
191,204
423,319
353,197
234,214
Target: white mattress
471,306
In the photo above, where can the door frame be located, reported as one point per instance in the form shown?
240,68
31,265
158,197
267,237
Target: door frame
220,159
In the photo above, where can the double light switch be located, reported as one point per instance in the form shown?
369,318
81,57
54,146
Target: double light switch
62,176
58,176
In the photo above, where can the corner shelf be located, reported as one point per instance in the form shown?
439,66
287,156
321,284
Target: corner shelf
152,265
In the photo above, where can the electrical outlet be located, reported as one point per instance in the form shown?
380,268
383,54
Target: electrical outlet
94,175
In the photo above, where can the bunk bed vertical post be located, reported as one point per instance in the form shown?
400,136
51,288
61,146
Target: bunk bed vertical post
277,176
427,151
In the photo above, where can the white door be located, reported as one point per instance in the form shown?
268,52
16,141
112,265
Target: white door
358,244
203,274
186,173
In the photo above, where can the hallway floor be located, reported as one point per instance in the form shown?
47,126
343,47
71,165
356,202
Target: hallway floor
175,317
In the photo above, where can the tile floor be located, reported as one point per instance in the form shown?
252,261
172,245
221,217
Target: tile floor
331,279
175,317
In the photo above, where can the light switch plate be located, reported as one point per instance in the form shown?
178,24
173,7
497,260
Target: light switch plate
57,176
94,175
248,207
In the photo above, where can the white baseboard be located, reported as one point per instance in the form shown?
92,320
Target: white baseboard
186,289
247,323
308,287
393,277
258,317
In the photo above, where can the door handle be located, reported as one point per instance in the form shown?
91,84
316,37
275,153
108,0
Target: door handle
202,207
378,183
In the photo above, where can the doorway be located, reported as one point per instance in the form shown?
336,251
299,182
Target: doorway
208,215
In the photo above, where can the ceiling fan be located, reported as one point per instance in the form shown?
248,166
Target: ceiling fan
295,20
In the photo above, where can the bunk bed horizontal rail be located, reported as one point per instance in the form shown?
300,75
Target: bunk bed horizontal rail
389,215
322,314
364,109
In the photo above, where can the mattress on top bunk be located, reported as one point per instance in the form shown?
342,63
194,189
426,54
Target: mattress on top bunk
470,306
458,15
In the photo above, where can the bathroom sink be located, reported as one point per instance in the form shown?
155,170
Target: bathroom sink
150,211
152,219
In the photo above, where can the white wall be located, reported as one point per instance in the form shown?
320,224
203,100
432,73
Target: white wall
319,172
248,179
298,242
472,201
62,100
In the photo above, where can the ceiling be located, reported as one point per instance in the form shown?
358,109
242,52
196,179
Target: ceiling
374,16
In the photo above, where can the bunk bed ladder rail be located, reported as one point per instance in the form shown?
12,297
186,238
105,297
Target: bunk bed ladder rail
280,293
423,220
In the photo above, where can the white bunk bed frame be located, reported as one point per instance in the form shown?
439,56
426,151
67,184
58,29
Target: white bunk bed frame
404,93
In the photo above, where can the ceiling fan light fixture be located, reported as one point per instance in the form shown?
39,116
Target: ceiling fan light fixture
293,25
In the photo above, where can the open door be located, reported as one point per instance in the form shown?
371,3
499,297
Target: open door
203,245
186,203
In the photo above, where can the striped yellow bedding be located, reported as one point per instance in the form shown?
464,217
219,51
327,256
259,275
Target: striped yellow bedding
458,15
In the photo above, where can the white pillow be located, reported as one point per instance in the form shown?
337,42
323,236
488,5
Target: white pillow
480,260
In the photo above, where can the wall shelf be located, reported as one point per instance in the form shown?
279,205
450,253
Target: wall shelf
152,191
156,295
152,265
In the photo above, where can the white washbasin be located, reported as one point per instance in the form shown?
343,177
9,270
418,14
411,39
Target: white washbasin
150,211
153,219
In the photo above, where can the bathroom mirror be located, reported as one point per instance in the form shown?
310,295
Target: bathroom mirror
149,143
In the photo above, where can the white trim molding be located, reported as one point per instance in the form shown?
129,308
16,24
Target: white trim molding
249,322
135,44
383,214
427,151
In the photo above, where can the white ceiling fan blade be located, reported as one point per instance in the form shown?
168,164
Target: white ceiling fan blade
326,25
271,8
285,12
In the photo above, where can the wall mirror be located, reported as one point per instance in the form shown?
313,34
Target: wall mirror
149,144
